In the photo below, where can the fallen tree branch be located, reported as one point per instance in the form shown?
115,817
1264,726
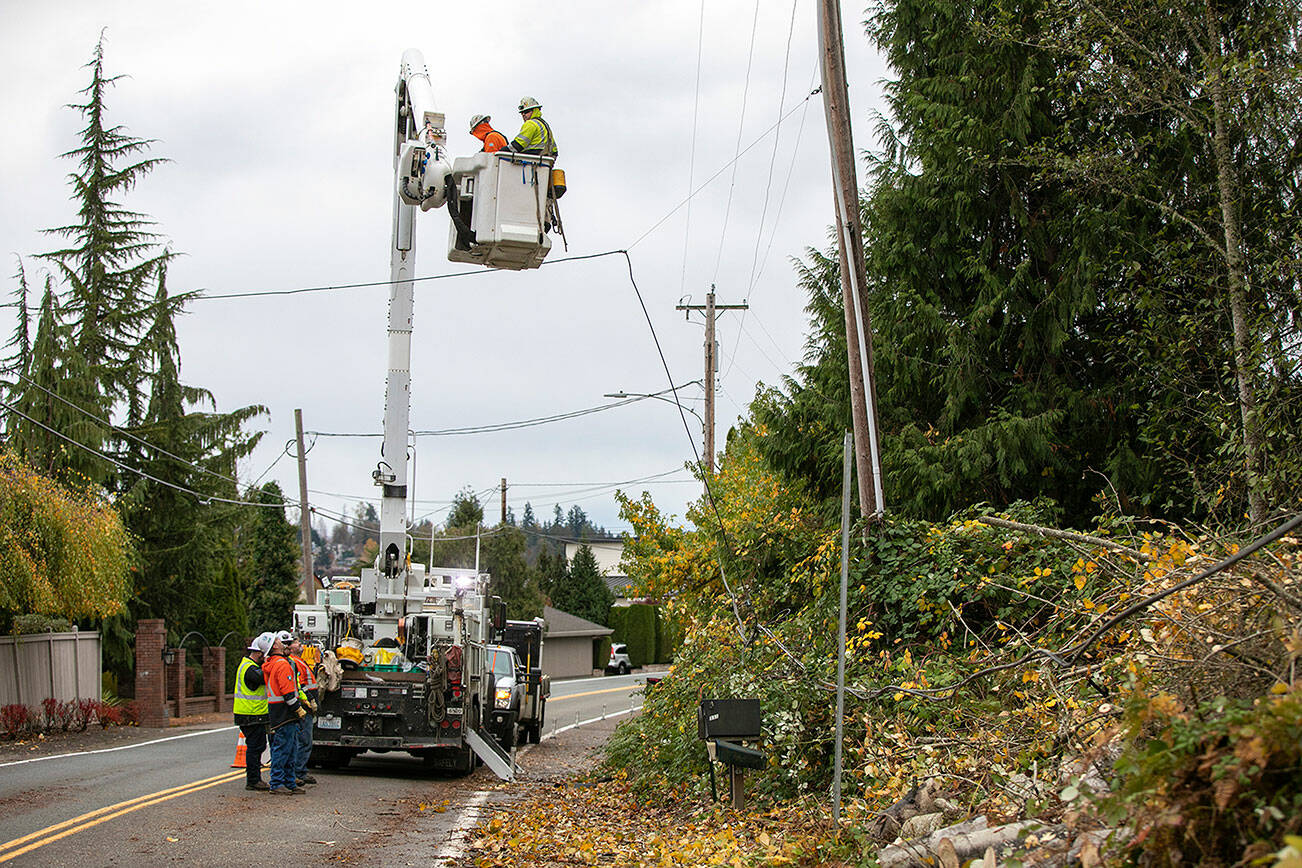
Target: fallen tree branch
1055,533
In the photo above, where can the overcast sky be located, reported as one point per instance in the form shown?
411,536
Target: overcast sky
277,119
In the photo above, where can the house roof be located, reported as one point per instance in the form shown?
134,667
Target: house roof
562,624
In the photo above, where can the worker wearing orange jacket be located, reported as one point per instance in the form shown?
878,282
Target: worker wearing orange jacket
285,711
482,130
307,698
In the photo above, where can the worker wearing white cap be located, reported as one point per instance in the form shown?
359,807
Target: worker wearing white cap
250,710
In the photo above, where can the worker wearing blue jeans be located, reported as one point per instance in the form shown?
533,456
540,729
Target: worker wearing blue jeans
307,698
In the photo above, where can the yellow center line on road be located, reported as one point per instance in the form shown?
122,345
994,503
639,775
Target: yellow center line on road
589,693
48,834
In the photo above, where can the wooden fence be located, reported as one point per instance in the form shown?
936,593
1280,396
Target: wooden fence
39,666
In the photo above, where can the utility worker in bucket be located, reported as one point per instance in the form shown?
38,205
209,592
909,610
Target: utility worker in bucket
250,710
481,129
285,711
535,136
307,698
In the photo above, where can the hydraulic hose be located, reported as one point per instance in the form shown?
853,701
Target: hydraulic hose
465,235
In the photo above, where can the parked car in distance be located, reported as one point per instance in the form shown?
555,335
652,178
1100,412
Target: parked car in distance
619,661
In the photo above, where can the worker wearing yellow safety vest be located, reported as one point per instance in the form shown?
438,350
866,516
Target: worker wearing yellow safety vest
535,136
285,711
306,696
250,710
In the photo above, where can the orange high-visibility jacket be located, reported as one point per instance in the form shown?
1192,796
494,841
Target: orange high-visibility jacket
492,139
282,689
306,680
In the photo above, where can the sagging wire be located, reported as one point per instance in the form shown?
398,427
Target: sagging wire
202,497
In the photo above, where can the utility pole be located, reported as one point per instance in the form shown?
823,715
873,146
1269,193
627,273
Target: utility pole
503,500
711,365
304,518
849,232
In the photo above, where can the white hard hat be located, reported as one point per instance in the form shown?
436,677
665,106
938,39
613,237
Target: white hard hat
477,120
285,636
263,642
528,102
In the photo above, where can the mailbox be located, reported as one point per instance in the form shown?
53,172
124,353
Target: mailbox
718,721
732,754
728,718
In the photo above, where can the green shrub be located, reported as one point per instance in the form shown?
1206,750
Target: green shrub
668,636
618,617
600,653
640,633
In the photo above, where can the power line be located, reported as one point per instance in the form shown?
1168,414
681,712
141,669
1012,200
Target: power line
203,497
691,161
674,210
374,283
503,426
741,124
773,158
130,436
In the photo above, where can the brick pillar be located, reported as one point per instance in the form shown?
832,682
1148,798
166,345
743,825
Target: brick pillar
214,676
176,681
150,687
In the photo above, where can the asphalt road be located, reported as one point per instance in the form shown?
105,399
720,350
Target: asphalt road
172,796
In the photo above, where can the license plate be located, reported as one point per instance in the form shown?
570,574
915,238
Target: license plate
455,711
329,722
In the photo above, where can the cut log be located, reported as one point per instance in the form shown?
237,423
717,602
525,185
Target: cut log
968,840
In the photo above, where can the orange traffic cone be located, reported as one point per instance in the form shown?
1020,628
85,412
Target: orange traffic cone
240,750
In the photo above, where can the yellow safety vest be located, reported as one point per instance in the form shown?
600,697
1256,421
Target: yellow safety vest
535,137
251,703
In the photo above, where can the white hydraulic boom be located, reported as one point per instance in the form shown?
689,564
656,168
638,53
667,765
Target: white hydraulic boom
498,206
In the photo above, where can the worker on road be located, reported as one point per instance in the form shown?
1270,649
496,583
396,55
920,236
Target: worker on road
481,129
535,136
307,694
250,710
285,712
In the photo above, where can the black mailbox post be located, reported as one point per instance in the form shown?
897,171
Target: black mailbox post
723,723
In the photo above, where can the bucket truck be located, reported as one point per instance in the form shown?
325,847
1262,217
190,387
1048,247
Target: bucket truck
405,666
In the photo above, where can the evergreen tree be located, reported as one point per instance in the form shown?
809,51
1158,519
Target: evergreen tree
585,592
577,521
527,521
466,512
183,541
48,404
272,561
17,365
502,556
111,253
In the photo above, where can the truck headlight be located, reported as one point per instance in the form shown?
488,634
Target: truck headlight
503,697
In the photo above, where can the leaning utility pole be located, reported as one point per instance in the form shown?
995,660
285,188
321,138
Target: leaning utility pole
849,233
711,365
305,518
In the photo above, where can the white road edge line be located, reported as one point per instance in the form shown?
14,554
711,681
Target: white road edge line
456,846
555,732
37,759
